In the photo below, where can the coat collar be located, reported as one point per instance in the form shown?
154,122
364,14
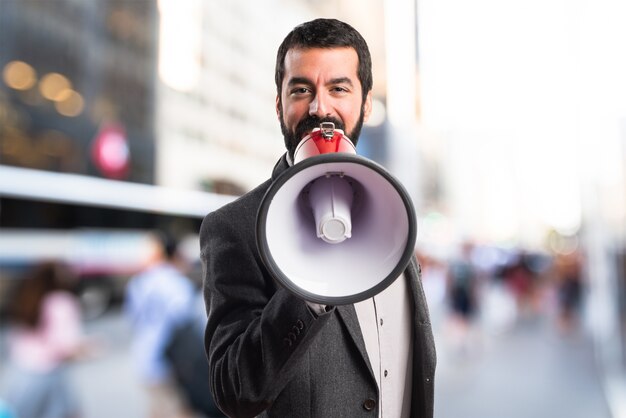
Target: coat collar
281,165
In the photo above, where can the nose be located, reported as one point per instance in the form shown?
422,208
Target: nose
318,107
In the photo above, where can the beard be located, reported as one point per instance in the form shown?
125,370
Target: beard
310,122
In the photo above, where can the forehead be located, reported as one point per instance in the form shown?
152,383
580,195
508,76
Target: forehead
313,63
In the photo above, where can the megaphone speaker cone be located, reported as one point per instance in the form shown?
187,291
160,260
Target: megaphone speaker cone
336,229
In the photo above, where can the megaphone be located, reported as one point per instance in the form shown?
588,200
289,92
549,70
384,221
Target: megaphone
336,228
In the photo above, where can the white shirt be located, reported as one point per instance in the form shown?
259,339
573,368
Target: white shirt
385,322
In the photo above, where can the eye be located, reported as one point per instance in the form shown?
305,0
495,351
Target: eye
339,90
299,91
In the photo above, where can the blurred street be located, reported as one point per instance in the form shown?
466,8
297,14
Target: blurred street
527,371
106,385
530,371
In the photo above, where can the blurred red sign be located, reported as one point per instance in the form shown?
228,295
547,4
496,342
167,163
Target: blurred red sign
110,151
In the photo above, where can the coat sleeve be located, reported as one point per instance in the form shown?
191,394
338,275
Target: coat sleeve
257,334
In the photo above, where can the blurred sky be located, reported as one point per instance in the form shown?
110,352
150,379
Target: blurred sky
526,98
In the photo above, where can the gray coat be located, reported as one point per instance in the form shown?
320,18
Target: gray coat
269,355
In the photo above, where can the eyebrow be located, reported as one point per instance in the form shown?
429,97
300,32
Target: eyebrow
304,80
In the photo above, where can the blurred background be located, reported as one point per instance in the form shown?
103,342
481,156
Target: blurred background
505,120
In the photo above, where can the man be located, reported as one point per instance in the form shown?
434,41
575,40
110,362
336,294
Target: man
273,354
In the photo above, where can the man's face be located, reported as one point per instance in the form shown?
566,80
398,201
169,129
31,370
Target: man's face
321,84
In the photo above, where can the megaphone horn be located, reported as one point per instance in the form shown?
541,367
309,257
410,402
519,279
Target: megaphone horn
335,228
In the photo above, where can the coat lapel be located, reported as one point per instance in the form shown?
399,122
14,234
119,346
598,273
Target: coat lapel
348,315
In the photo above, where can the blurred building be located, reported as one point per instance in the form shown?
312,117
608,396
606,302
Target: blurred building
78,76
77,111
216,98
76,96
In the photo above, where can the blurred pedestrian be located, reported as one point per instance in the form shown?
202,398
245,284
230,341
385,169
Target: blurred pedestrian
569,287
45,335
462,294
522,283
159,300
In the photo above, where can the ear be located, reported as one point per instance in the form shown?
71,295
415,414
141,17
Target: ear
278,106
367,106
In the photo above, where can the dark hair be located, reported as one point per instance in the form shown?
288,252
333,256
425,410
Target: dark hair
170,247
326,33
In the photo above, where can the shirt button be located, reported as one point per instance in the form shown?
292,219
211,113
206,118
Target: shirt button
369,404
381,322
386,373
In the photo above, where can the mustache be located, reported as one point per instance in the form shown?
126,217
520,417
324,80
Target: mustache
311,122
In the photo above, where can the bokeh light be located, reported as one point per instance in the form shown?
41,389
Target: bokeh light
19,75
54,86
71,104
